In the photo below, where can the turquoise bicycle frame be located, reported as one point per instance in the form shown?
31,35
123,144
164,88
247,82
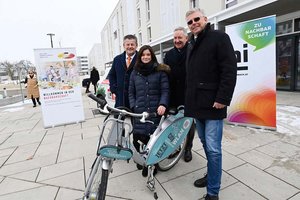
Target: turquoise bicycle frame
173,131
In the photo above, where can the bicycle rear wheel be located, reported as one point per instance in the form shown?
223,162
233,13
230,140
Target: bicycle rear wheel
173,159
103,185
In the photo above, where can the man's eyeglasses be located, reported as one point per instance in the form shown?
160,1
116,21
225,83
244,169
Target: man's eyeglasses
196,19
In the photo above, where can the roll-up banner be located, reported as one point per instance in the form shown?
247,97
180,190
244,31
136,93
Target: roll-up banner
59,85
254,99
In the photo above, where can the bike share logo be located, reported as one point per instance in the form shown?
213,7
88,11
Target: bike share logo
174,138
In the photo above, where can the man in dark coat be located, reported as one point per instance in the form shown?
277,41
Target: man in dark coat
94,78
175,58
211,78
121,69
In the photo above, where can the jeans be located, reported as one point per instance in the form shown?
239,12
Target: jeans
210,133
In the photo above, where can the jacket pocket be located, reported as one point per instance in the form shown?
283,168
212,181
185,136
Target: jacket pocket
206,94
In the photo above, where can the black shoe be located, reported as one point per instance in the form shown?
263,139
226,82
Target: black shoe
202,182
139,167
145,172
34,105
39,103
210,197
188,155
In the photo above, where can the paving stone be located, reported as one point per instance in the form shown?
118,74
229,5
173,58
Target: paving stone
7,152
296,197
52,138
264,184
77,149
45,193
30,175
27,165
134,187
74,180
182,168
279,150
289,171
23,153
60,169
258,159
239,191
8,185
182,188
229,161
22,138
47,149
64,194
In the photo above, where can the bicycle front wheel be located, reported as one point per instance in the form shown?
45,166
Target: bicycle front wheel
103,185
172,159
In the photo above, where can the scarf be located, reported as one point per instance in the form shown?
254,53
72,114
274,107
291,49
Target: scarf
146,68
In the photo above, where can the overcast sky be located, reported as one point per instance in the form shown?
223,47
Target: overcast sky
24,25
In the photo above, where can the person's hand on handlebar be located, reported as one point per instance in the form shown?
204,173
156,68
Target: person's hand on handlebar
161,110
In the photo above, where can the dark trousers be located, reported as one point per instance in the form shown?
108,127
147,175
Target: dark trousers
87,87
34,102
95,88
190,137
143,138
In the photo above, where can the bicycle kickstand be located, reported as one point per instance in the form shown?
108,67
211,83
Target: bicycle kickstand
151,181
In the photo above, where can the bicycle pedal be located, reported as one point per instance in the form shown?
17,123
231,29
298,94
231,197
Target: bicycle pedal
119,153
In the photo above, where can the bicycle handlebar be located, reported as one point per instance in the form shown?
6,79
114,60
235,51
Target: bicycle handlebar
103,105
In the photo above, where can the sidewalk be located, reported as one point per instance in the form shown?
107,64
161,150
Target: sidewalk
54,163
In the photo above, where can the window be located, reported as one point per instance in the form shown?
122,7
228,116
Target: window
115,35
140,38
139,17
229,3
284,27
148,9
297,25
194,4
149,34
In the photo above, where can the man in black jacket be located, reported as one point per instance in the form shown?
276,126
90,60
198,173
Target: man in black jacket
211,78
175,58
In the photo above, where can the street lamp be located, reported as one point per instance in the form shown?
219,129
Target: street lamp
51,35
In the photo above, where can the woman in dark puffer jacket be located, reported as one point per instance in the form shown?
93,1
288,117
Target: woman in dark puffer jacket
148,91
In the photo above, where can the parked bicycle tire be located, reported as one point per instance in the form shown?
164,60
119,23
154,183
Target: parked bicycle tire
103,185
173,159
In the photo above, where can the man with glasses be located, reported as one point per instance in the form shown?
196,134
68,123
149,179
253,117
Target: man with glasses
175,58
121,69
210,78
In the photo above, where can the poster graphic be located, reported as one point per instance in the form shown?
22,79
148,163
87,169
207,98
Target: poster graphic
59,85
254,99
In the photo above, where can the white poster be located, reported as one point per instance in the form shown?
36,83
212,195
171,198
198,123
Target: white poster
59,85
254,99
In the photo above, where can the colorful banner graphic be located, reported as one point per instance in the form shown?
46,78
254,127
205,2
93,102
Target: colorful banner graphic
59,85
254,99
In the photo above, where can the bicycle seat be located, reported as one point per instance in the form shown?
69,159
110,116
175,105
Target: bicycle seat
119,153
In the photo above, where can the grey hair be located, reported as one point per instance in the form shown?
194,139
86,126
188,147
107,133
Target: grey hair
180,28
193,10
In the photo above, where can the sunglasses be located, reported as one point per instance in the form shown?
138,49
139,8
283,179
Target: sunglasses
196,19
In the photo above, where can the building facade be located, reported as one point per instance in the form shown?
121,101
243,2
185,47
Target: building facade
95,57
153,23
83,65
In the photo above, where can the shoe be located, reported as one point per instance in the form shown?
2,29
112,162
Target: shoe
188,155
145,172
202,182
34,105
139,167
39,103
211,197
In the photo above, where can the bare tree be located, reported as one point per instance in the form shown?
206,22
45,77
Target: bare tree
9,68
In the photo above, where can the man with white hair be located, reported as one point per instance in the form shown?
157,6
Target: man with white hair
210,78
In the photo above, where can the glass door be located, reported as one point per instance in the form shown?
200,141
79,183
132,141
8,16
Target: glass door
284,63
297,83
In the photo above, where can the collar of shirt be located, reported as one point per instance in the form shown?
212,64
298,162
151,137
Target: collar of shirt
130,56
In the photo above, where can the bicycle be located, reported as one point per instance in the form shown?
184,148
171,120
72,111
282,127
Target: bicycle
164,149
